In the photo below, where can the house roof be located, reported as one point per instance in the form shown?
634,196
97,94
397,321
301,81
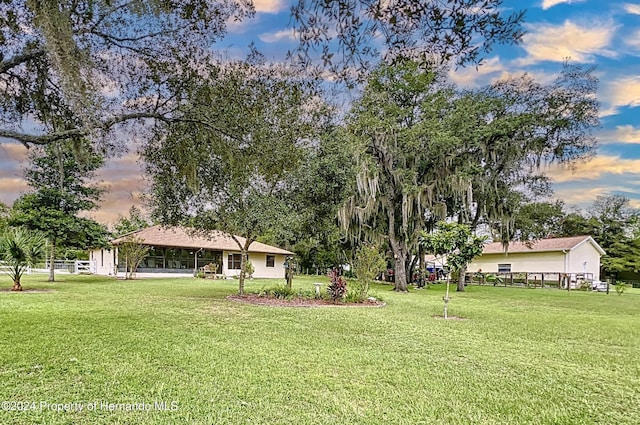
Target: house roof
542,245
181,237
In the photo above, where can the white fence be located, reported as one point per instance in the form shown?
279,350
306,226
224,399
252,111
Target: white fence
84,266
60,266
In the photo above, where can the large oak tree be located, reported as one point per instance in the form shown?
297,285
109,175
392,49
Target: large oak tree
107,63
100,63
236,181
427,151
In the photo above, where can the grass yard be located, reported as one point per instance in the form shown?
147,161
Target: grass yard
522,356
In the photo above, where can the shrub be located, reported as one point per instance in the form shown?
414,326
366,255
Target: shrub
20,249
586,285
307,294
368,263
249,269
354,295
280,292
620,287
337,289
496,280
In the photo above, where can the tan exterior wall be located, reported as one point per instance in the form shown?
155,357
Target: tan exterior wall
525,262
581,259
585,258
259,262
103,261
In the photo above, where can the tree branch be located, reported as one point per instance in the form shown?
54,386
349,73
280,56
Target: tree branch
44,139
114,39
104,16
21,58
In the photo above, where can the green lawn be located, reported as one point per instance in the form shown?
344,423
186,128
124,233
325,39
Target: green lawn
522,356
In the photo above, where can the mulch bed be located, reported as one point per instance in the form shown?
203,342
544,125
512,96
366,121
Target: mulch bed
298,302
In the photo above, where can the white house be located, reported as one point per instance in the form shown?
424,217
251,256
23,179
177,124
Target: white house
576,257
174,250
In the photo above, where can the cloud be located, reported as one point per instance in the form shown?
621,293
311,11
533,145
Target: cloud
239,26
633,41
585,196
472,77
622,92
540,77
270,6
546,4
120,196
556,43
622,134
11,187
13,151
113,207
122,177
594,169
12,184
262,7
124,182
273,37
607,111
571,196
631,8
494,70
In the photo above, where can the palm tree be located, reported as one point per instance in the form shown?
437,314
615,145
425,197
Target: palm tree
19,250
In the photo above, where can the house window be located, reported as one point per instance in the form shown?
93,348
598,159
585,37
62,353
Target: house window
504,268
271,260
233,261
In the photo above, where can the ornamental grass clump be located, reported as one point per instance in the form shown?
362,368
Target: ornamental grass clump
280,292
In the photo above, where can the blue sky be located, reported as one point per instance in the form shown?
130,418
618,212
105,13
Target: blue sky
594,32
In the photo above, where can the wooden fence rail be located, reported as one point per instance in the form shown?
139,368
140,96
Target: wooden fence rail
532,279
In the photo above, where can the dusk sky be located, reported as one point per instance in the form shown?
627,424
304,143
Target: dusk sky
603,33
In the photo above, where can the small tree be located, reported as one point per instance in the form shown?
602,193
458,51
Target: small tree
133,251
135,221
367,264
20,249
456,242
60,175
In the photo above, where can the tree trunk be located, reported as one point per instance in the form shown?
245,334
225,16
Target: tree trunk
412,267
461,278
289,275
52,258
400,275
16,285
399,249
244,253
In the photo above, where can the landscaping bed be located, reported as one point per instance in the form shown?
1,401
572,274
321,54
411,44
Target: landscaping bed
299,301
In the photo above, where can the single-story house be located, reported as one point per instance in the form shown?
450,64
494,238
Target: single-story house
175,250
576,257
